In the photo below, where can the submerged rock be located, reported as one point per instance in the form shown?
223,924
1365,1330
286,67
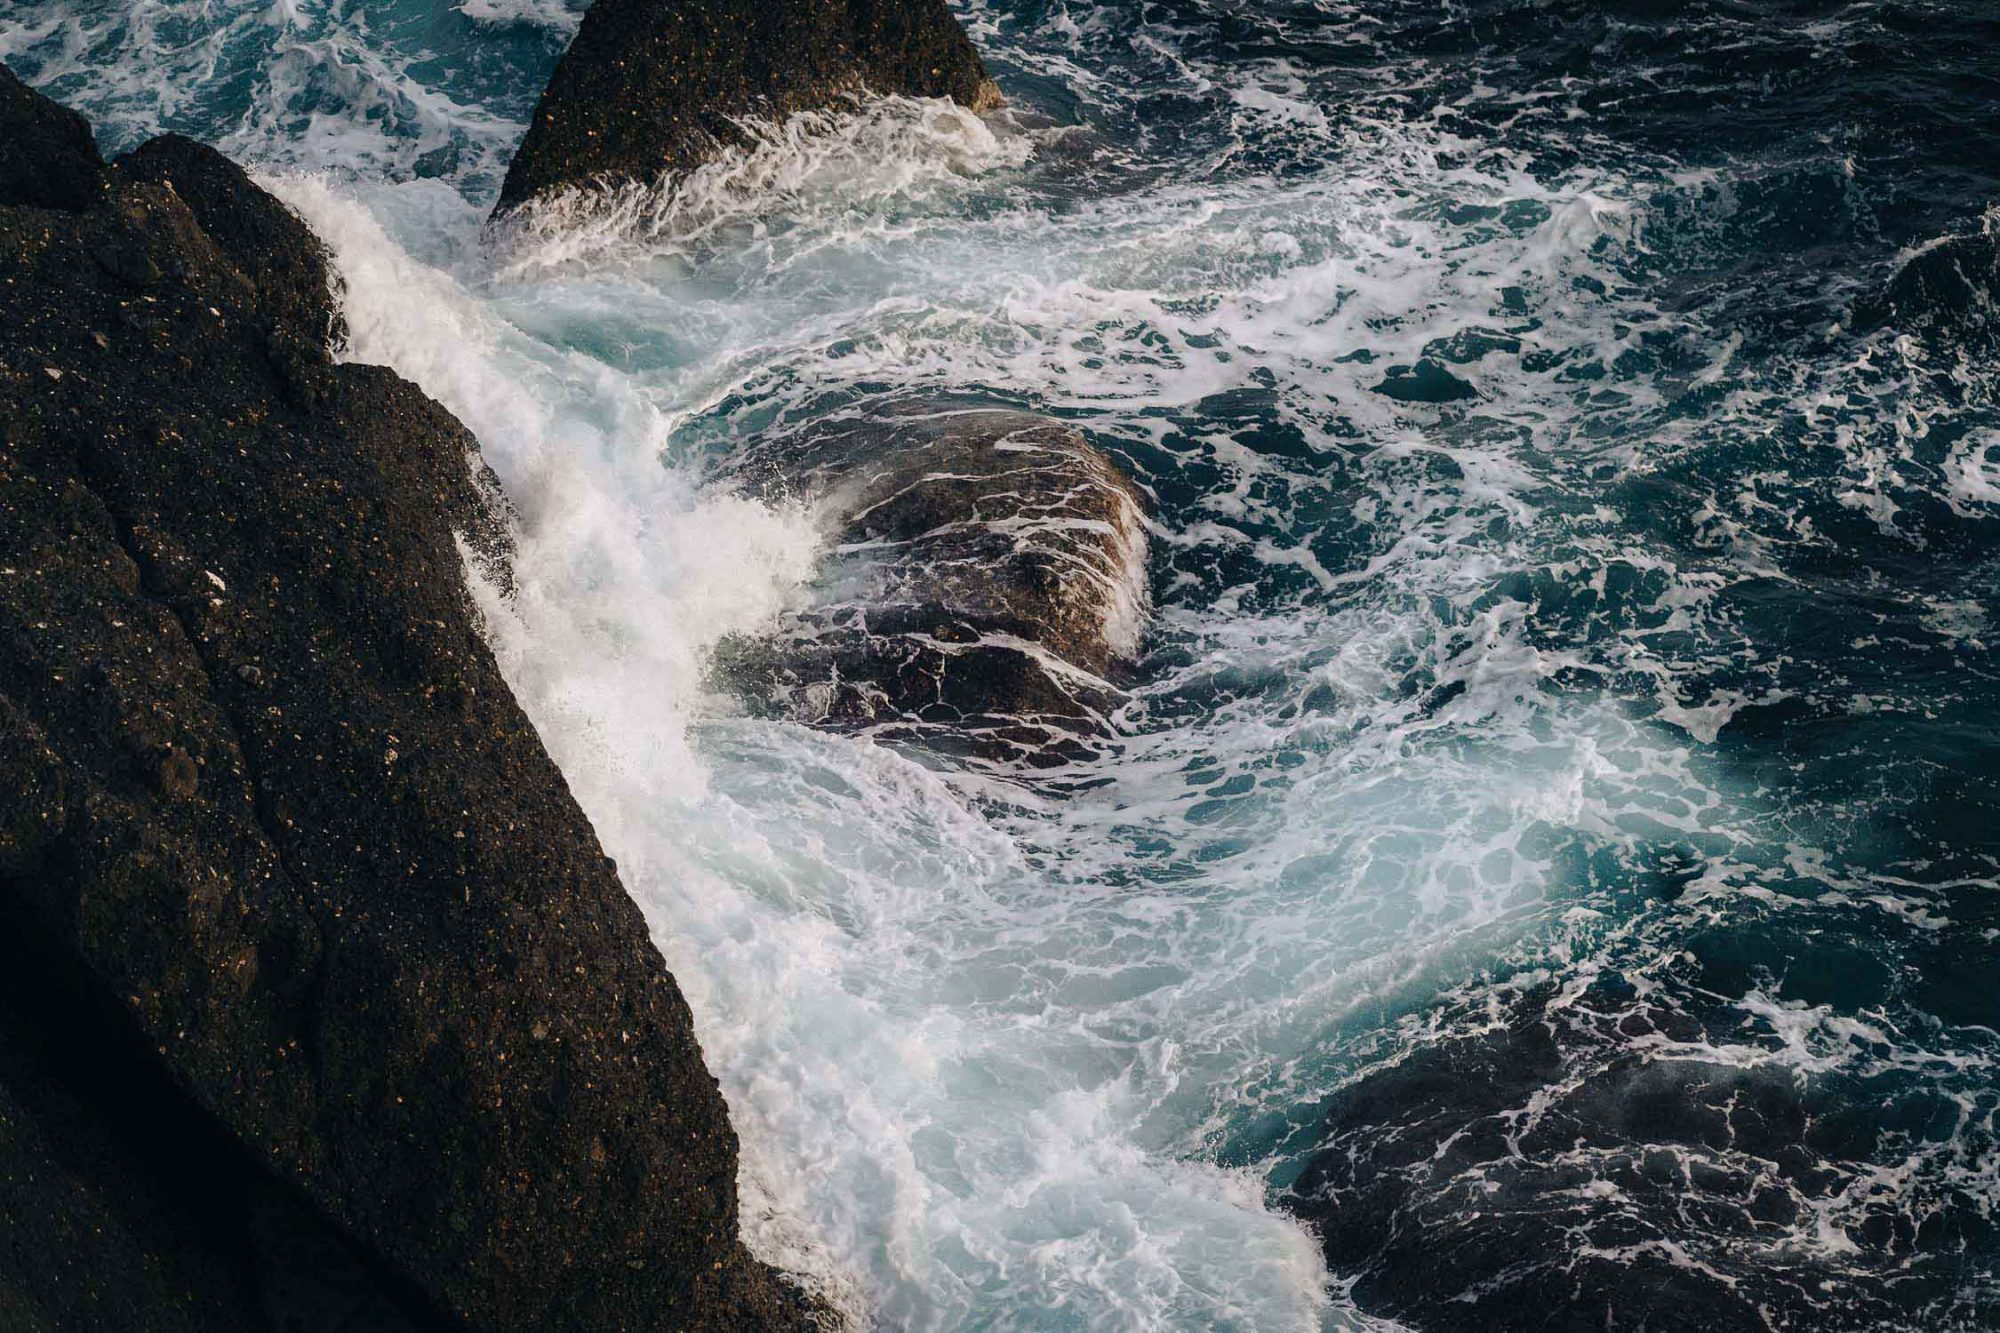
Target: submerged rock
1608,1160
298,866
653,86
987,583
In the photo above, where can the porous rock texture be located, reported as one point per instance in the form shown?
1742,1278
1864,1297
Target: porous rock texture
987,584
284,862
47,156
650,87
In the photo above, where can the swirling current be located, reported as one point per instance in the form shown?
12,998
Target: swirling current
1550,856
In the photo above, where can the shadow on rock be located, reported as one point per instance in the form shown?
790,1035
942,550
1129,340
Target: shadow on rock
301,875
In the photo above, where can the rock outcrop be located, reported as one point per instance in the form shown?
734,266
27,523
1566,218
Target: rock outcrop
288,867
115,1215
987,584
656,86
47,157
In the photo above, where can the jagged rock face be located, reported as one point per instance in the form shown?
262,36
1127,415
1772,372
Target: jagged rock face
986,588
1550,1167
656,86
266,800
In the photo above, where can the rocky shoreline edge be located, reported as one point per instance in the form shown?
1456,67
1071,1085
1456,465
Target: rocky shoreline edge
320,1005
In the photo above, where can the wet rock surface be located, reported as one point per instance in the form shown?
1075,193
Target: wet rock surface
652,86
985,589
289,852
1546,1168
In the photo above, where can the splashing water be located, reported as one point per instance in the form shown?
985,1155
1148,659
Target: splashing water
1515,481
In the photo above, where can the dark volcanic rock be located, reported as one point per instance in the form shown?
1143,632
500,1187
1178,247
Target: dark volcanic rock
126,1208
47,157
269,804
651,86
112,1220
259,234
987,585
1592,1161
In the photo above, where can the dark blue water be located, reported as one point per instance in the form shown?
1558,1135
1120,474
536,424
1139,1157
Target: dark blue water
1552,844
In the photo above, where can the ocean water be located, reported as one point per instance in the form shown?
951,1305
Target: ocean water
1557,579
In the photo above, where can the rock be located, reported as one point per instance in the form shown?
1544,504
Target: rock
47,157
294,287
654,86
987,585
118,1213
1577,1163
414,994
312,1281
128,1208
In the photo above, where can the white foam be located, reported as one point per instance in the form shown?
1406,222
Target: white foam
982,1044
620,557
810,954
1972,472
813,169
316,86
560,15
